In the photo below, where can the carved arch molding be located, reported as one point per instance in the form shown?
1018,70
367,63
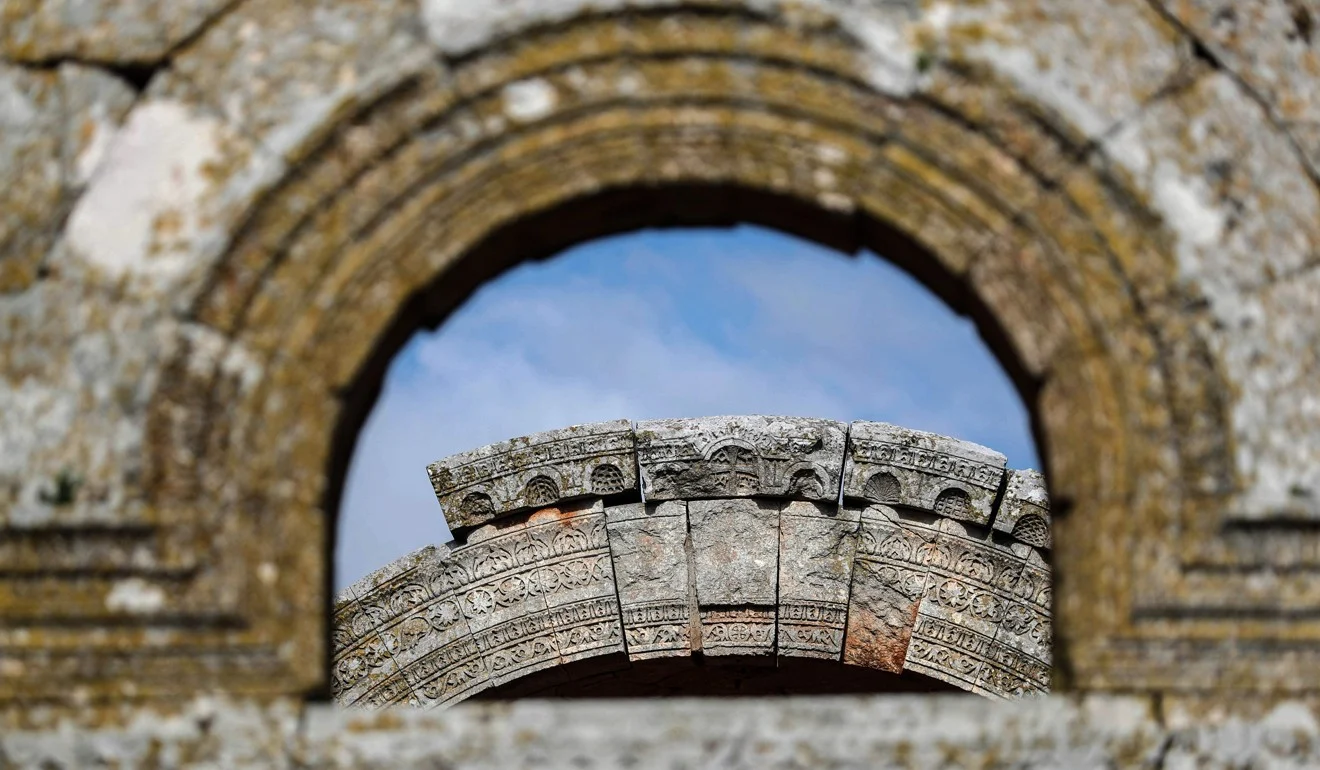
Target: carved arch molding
203,280
733,561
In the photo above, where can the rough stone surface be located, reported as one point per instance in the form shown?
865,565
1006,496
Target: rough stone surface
741,457
888,580
1248,217
896,466
1024,511
817,542
31,162
1123,196
841,732
106,31
735,559
175,181
648,543
535,471
359,51
57,125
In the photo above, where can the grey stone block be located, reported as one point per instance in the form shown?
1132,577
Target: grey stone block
1024,512
651,569
735,551
896,466
496,576
535,471
968,583
417,604
888,581
1023,660
577,581
750,456
816,546
366,676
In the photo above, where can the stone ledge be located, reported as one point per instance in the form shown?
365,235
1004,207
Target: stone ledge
841,732
703,458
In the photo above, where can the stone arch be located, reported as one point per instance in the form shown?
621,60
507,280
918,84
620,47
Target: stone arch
953,502
736,576
402,230
300,208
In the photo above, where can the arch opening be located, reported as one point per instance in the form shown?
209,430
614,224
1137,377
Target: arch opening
963,185
736,468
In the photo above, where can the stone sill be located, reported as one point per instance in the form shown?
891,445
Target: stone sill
864,731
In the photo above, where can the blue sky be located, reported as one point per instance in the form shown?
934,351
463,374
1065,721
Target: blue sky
667,323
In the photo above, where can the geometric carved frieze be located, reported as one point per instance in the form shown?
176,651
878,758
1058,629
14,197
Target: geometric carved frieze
535,471
949,600
896,466
719,457
736,567
959,633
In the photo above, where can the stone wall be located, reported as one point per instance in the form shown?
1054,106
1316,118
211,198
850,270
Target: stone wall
760,540
221,217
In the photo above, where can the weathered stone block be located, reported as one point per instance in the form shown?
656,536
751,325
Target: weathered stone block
816,546
1024,511
968,584
577,580
888,580
366,676
503,602
735,551
1021,661
535,471
896,466
651,569
419,607
712,457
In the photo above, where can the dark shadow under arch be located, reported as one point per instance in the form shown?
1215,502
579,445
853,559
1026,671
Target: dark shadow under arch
614,677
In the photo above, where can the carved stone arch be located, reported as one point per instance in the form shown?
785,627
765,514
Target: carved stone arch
613,591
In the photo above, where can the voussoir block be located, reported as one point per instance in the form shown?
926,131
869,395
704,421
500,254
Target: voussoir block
752,456
897,466
535,471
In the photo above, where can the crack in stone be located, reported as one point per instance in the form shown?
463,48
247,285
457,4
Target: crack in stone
1204,51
